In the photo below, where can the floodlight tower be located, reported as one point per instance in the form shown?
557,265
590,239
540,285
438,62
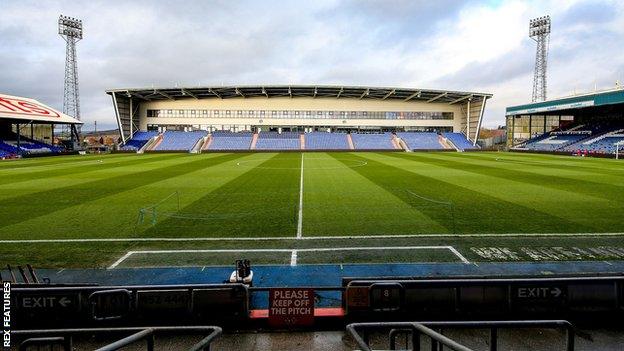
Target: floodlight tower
539,30
70,29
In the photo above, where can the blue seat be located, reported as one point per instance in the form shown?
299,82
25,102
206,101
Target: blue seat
223,140
180,141
326,141
278,141
377,141
421,140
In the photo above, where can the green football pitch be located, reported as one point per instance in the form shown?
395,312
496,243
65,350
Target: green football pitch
125,210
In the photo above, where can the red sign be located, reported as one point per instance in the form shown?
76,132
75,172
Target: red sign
291,307
25,108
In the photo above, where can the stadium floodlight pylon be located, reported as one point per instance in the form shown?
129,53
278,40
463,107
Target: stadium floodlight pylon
539,30
70,29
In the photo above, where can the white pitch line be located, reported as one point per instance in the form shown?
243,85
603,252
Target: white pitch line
300,215
293,258
121,259
293,252
336,237
460,256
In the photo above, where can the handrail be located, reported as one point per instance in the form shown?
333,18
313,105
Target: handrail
141,333
65,343
416,328
147,334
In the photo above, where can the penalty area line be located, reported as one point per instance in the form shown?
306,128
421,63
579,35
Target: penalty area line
335,237
121,259
293,252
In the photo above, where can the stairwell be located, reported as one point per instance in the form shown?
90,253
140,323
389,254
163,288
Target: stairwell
448,144
403,145
302,141
198,145
153,143
396,142
207,143
350,141
254,140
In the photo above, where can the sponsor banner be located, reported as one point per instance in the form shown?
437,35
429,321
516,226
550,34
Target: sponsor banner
15,107
531,111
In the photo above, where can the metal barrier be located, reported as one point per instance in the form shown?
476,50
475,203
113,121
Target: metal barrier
415,329
45,307
147,334
486,298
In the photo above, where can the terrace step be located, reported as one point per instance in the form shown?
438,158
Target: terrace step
254,140
447,143
155,144
350,141
207,143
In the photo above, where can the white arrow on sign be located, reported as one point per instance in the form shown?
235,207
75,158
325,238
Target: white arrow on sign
64,301
556,292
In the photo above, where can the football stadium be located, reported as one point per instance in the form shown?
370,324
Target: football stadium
300,217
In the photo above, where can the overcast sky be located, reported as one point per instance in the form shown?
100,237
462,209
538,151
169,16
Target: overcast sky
462,45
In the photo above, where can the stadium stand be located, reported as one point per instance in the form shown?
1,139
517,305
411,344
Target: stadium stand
138,140
26,146
326,141
460,141
180,141
224,140
4,154
557,141
595,137
377,141
604,144
278,141
421,140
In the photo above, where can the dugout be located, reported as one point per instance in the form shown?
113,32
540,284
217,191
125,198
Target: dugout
27,127
531,120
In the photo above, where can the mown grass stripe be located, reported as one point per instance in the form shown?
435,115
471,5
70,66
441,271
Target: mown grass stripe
31,205
34,163
75,169
339,201
565,163
474,211
554,181
260,202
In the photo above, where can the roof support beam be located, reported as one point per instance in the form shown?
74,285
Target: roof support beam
186,92
476,138
339,92
461,99
289,92
265,92
238,92
164,94
388,95
132,93
215,93
437,97
365,93
416,94
315,92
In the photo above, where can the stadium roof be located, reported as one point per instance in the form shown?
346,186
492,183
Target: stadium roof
268,91
25,110
597,98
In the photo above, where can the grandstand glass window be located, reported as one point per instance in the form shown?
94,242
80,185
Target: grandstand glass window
385,115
